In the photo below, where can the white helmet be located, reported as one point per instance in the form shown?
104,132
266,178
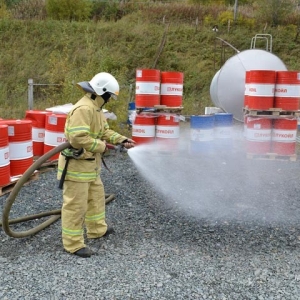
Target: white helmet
101,83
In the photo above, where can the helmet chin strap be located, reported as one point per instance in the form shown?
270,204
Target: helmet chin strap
106,96
102,105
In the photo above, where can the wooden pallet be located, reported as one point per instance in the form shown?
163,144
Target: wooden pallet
159,108
271,113
46,166
272,156
9,187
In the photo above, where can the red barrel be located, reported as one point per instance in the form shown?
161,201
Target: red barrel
261,89
54,132
20,145
246,93
287,90
4,156
38,118
167,132
171,89
258,135
147,89
284,136
143,129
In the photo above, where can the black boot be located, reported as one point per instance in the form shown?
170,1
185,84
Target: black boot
109,231
84,252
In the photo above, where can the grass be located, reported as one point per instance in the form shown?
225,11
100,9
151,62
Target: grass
63,53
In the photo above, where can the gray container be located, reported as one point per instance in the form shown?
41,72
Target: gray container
227,88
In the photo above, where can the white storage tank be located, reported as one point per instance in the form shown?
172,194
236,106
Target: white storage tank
227,88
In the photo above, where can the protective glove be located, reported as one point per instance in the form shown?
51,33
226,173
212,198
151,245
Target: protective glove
128,143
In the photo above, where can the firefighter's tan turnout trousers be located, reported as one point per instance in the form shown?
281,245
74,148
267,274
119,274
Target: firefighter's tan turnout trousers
83,208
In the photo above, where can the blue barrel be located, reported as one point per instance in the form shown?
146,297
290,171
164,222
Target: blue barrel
223,132
131,111
223,125
223,119
201,134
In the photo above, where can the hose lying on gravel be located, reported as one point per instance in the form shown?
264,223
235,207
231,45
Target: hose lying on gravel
55,214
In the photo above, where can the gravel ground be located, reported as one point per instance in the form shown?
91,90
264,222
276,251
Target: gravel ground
187,227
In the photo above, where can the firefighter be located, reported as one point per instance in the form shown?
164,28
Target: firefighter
87,131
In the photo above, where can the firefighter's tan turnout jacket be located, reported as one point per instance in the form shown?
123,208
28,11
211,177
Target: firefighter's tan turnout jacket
86,127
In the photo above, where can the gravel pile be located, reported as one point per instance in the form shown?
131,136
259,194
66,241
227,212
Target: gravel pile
226,228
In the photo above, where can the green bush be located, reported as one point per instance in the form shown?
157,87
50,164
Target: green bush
71,10
4,13
107,11
10,3
224,17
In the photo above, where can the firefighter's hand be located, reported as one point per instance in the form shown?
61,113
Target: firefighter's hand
129,143
105,146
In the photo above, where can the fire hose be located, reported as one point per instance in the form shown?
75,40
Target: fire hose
54,214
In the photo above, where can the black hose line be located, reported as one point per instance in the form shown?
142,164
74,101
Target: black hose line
54,214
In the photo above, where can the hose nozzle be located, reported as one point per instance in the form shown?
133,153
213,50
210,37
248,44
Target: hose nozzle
122,148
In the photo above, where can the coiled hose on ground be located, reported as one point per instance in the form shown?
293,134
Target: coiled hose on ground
54,214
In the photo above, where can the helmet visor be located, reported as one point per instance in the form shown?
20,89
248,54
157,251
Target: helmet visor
86,87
